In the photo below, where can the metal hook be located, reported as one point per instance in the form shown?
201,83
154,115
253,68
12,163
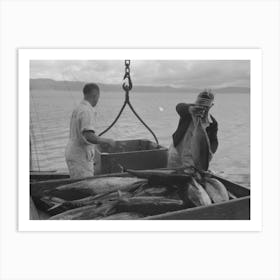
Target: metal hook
124,85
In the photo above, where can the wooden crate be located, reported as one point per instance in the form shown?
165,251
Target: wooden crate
134,154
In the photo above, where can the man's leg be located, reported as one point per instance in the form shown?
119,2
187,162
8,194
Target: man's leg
79,170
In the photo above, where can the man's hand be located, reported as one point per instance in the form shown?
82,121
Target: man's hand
92,138
111,143
197,111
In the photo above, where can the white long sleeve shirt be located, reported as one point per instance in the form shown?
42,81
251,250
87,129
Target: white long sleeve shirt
79,153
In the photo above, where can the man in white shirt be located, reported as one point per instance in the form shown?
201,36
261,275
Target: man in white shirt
79,151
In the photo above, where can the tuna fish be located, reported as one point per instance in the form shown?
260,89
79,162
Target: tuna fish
148,173
161,177
197,195
150,205
216,190
85,213
153,191
64,205
200,147
95,186
143,206
123,216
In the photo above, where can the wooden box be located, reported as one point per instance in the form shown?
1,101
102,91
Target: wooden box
134,154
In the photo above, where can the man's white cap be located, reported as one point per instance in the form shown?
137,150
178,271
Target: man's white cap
205,98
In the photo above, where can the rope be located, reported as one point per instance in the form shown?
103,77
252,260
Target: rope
35,145
43,141
127,88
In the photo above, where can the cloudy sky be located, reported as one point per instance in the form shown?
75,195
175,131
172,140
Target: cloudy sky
180,73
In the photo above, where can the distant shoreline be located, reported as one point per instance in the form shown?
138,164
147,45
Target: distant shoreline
47,84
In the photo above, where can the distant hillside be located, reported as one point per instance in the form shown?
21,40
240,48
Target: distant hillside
49,84
232,90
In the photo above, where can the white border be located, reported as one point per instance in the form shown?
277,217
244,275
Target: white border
24,57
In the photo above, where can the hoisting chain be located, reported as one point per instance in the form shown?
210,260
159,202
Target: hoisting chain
127,87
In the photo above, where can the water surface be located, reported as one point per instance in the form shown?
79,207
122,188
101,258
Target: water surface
51,111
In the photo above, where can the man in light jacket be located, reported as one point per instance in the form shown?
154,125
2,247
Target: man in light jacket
79,151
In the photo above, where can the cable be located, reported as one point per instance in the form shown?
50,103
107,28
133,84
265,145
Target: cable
139,118
115,120
127,88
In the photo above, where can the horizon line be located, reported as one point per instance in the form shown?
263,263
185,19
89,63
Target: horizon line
143,85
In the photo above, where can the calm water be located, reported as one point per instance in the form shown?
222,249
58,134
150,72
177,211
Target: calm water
51,111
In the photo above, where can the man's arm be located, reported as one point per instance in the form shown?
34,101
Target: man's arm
183,110
87,130
92,138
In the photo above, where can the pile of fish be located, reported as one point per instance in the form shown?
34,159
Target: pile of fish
134,196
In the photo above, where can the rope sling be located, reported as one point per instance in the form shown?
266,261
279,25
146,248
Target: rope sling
127,88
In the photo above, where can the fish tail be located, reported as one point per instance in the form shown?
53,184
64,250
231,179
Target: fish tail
231,195
57,204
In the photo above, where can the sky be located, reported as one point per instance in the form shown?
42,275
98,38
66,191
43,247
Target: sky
177,73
